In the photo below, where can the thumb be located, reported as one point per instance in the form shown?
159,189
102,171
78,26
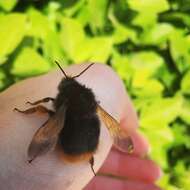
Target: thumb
17,130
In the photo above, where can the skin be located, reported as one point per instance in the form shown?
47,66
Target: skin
50,172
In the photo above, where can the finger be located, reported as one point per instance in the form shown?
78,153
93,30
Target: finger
131,167
141,145
108,183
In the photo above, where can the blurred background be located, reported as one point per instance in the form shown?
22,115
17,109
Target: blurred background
147,42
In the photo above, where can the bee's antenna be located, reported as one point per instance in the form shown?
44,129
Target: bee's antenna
61,69
83,71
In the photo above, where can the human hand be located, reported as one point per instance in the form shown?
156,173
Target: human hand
49,171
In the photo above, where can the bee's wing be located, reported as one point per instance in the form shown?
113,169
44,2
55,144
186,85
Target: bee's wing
121,139
46,136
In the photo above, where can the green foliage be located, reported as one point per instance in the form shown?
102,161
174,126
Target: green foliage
12,31
7,5
29,62
146,42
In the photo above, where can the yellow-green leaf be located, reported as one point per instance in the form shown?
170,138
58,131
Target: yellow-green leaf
12,31
29,62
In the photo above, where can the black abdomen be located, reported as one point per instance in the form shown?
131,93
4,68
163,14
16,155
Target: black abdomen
81,130
80,135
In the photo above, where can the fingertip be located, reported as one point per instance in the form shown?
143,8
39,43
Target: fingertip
131,167
107,183
141,145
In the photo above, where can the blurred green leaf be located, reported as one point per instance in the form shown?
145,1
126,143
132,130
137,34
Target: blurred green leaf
145,20
81,48
36,21
177,17
145,65
165,182
84,16
185,83
147,11
71,35
183,176
121,32
185,112
166,76
141,67
8,5
122,65
94,49
2,78
146,60
180,49
52,47
180,134
160,139
12,31
29,63
147,88
149,6
97,10
71,10
165,111
157,35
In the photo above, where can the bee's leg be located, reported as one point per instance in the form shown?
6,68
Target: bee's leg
39,109
44,100
91,161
